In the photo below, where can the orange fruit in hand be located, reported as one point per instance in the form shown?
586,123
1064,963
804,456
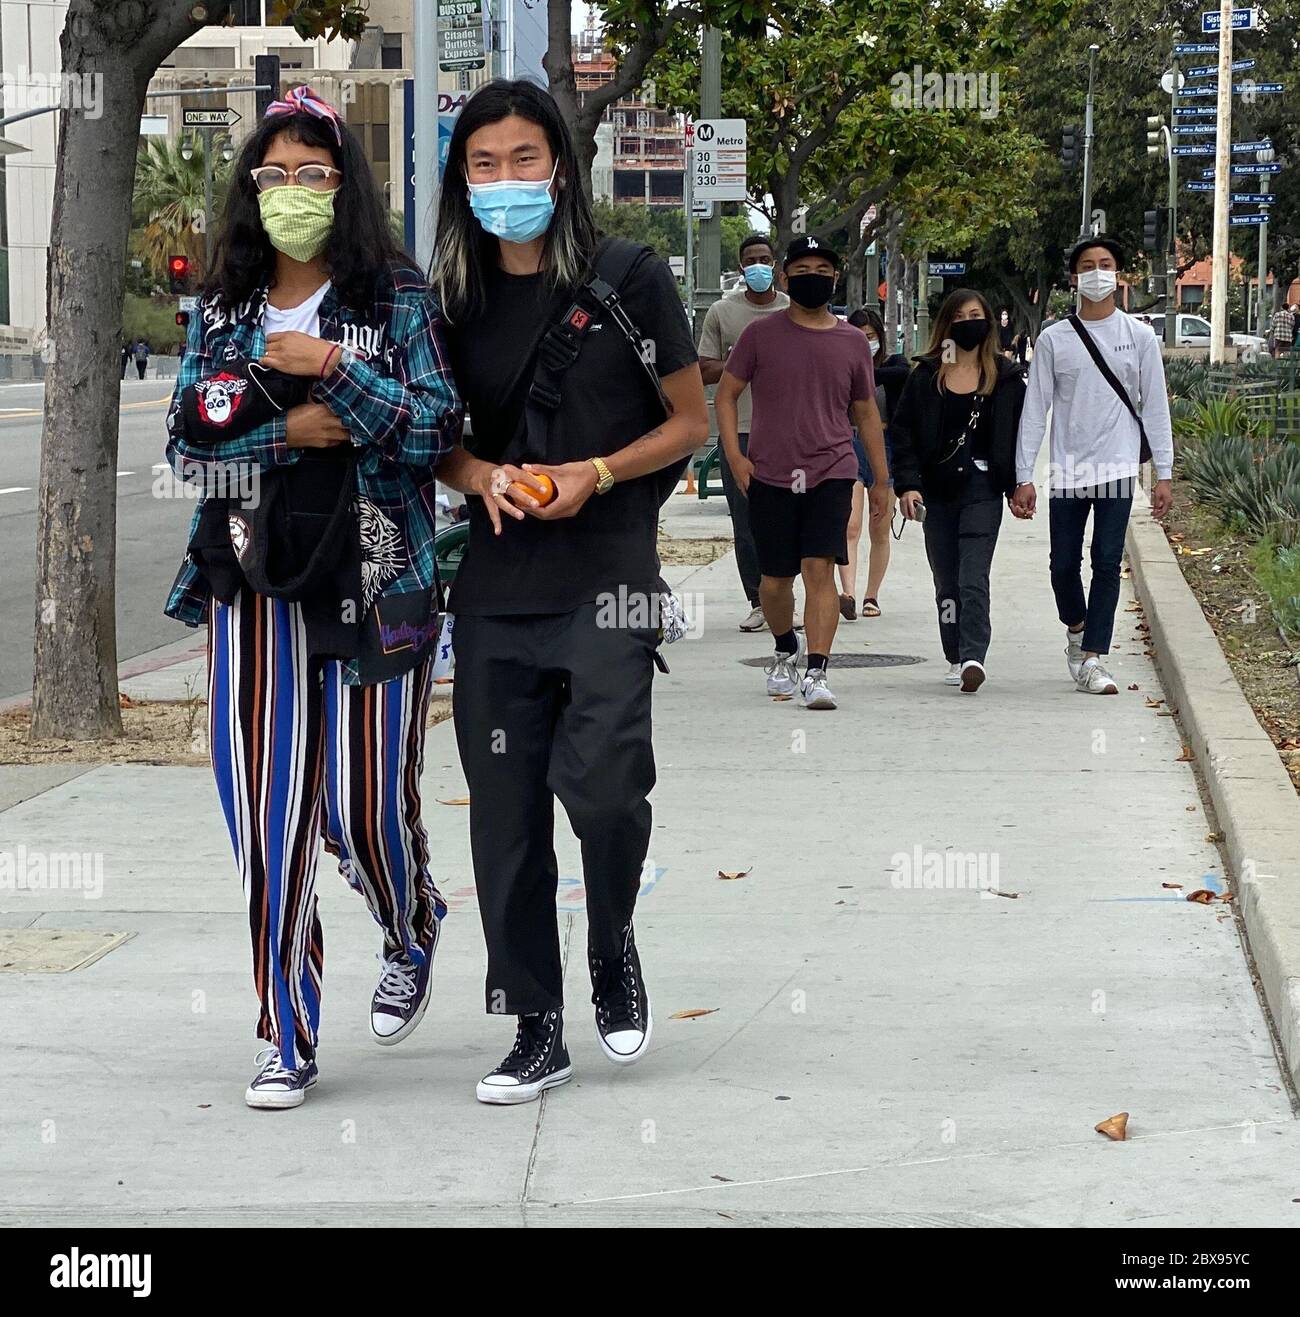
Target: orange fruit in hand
533,485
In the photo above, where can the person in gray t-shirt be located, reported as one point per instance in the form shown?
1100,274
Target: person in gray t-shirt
726,320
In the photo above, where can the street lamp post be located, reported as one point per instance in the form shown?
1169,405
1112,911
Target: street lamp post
1263,157
1085,222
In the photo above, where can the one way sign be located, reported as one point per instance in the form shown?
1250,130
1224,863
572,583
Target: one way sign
226,118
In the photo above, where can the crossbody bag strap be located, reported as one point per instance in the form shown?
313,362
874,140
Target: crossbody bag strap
1144,453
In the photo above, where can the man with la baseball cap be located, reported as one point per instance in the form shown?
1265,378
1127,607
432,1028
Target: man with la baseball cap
810,378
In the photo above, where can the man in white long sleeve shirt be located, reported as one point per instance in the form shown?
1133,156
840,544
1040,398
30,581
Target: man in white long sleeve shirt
1095,453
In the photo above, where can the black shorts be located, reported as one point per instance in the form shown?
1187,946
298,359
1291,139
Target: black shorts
789,527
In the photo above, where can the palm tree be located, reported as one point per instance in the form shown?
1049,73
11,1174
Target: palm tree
168,203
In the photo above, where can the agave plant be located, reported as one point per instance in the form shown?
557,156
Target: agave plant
1218,418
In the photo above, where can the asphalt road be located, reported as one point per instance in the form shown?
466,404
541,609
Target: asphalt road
151,531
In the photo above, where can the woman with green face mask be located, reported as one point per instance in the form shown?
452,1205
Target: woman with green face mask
314,379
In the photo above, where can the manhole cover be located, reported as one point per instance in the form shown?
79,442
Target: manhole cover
839,660
52,950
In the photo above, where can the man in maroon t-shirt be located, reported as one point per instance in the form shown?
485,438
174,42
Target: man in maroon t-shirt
806,370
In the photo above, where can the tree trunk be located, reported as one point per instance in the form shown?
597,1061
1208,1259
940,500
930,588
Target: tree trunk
75,683
785,201
563,86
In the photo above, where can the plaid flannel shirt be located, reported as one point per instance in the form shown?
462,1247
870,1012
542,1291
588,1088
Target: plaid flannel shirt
392,389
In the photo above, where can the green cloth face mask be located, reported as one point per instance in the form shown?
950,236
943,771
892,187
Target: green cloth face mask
297,220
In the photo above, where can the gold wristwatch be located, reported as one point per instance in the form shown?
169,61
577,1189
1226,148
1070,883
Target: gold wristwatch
604,476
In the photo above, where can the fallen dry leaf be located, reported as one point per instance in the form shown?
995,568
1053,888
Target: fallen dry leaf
693,1015
735,873
1177,887
1186,757
780,699
124,701
1153,703
726,1179
460,800
1202,896
1214,836
1191,809
1167,713
1011,896
1114,1127
1227,896
1133,686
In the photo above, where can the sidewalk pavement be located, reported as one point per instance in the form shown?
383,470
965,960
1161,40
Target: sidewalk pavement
877,1054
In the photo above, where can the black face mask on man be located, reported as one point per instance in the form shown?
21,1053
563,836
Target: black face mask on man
969,334
810,291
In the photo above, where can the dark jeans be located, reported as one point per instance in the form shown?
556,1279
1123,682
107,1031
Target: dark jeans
960,536
743,537
1067,518
552,706
140,367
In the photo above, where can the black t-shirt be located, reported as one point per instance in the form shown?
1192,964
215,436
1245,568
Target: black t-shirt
965,412
607,401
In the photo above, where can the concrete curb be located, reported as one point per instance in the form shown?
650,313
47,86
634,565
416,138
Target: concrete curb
1257,807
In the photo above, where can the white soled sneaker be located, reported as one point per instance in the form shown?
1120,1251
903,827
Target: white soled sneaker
972,676
953,676
1095,680
783,669
275,1088
754,620
816,693
1074,652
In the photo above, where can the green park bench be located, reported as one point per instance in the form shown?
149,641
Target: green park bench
449,548
708,473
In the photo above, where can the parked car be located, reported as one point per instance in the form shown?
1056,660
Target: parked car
1194,332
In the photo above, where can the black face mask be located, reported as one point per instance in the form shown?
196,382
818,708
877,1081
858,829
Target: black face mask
968,334
811,291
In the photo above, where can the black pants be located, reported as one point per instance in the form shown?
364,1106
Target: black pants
1067,517
960,536
743,537
140,367
552,706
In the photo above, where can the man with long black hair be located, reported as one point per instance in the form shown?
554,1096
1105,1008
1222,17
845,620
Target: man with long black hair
577,436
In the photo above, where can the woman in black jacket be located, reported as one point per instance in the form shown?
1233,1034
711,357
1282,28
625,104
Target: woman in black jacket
954,441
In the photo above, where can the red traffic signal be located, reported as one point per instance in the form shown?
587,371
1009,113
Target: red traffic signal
182,318
178,267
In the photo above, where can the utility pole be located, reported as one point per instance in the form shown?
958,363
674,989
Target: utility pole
1222,184
425,69
207,201
688,197
1171,261
1085,221
1262,311
923,302
709,286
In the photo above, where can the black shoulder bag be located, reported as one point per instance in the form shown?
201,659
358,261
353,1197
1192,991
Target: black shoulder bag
559,347
1144,452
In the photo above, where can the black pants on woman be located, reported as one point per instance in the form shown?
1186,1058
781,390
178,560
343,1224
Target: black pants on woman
552,706
961,533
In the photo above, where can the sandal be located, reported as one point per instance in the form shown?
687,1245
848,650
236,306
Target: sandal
870,608
847,611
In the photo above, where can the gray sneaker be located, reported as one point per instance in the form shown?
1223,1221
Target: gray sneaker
1074,652
783,670
754,620
1095,680
816,693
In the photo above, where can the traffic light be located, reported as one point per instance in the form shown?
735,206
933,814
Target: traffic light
1151,230
178,269
1070,135
183,319
1155,122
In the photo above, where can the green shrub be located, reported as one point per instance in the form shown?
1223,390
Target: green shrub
1277,569
1253,483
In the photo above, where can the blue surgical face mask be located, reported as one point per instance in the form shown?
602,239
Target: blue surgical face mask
758,278
514,210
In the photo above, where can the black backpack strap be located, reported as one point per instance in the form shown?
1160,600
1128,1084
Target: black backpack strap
614,260
1144,452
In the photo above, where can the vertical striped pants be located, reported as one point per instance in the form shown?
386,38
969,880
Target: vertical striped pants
297,752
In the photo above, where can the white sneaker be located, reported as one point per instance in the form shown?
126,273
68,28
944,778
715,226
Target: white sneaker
972,676
1074,652
1095,680
754,620
816,693
953,676
783,670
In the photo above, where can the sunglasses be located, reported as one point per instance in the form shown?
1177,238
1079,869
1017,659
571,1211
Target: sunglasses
318,178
